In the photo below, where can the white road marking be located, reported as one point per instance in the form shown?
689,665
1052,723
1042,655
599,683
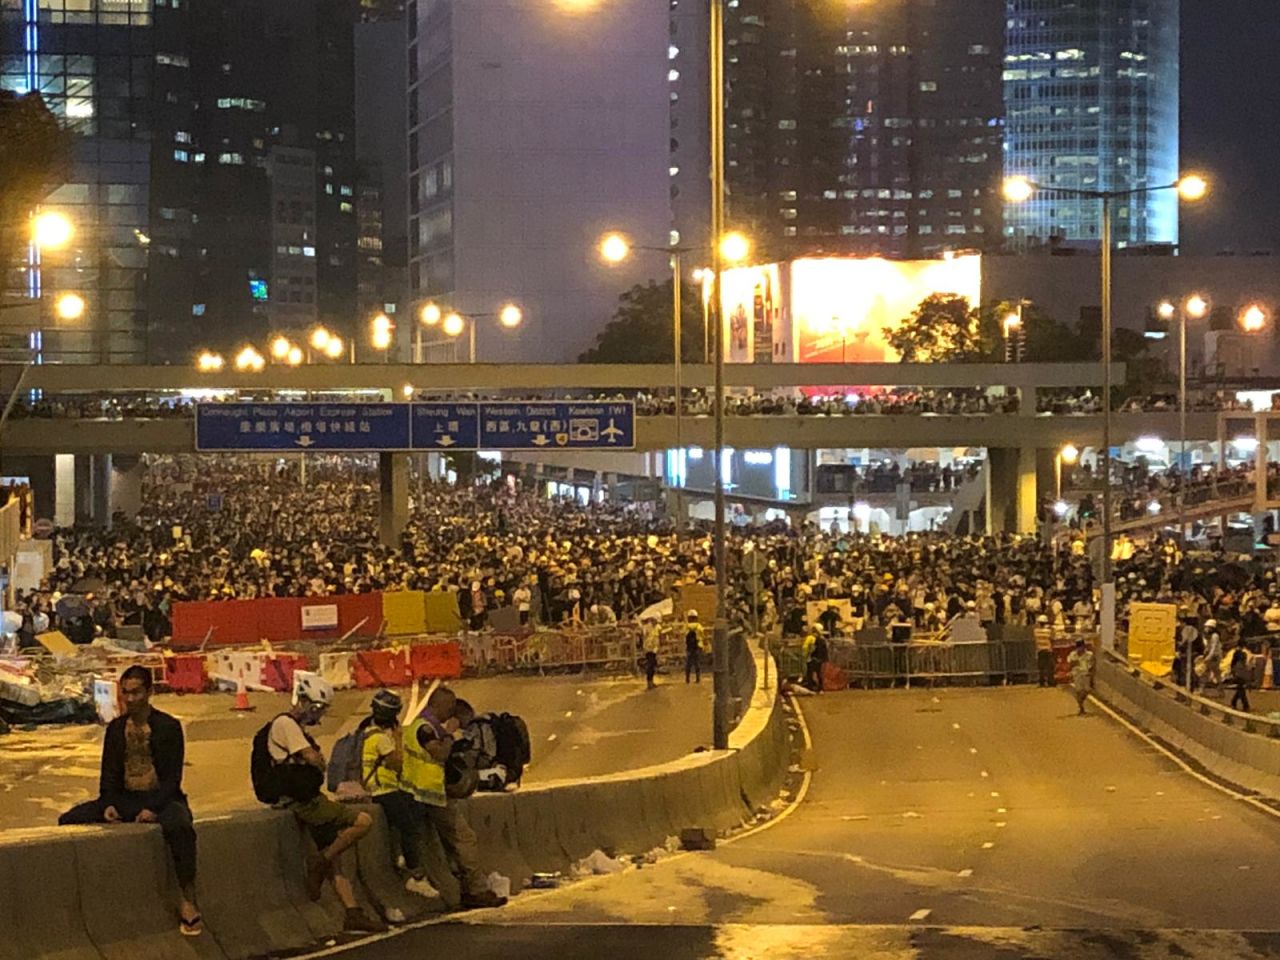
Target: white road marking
988,845
920,915
955,726
1000,824
966,872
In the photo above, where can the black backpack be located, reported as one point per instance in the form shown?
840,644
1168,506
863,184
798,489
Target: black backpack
272,781
512,737
461,771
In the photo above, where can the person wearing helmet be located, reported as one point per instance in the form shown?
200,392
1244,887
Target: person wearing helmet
334,827
381,760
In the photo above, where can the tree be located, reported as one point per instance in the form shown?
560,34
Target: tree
640,331
35,156
945,328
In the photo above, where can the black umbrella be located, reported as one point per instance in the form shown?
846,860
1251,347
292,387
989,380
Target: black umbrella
89,585
72,606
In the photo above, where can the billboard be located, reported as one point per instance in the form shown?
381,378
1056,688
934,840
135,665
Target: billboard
832,309
840,306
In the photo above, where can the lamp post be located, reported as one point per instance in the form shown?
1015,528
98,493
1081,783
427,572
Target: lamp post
615,248
1068,455
453,323
1022,189
720,633
380,335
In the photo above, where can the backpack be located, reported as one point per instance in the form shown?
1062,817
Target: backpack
512,737
272,781
461,771
346,760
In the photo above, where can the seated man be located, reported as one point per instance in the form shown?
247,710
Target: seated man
141,782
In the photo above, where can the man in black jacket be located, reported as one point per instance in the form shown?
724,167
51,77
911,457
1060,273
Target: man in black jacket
141,782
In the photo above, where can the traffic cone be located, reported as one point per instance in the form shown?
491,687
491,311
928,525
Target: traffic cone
1268,681
242,699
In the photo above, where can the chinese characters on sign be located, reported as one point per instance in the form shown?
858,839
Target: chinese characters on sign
417,426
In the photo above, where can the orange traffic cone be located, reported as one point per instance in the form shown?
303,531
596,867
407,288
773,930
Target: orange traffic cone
242,699
1268,681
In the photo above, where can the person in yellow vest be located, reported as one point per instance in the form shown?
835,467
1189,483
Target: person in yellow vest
428,741
694,640
381,762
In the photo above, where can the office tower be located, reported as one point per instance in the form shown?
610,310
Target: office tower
870,128
1091,95
214,181
534,127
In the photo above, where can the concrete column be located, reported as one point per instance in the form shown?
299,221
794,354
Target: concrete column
100,468
125,495
82,471
1013,501
393,483
41,474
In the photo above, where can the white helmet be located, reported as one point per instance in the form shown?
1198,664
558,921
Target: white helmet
313,688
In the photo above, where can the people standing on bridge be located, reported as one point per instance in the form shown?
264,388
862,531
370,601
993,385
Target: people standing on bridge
141,782
693,647
428,742
297,772
1080,660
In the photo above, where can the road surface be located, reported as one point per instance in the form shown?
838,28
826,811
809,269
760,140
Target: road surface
579,727
956,823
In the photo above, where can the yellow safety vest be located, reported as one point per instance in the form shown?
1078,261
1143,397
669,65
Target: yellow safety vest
422,775
377,777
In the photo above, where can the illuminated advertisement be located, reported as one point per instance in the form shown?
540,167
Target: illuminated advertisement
841,306
753,302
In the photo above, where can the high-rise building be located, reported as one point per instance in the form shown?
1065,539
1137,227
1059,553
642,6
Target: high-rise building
535,126
859,127
214,182
1091,97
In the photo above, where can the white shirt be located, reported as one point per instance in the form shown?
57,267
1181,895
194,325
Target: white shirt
286,738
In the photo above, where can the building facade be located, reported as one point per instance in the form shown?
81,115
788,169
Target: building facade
864,128
535,126
1091,95
213,188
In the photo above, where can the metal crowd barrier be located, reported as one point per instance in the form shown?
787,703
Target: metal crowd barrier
891,664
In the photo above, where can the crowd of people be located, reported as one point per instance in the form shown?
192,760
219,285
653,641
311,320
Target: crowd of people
697,402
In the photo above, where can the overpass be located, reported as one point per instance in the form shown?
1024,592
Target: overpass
1022,444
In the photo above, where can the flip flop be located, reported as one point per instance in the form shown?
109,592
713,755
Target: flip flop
193,927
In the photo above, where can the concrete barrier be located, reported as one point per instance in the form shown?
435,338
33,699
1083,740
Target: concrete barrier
250,881
1199,729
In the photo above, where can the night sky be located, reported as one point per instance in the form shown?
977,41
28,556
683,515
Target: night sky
1231,123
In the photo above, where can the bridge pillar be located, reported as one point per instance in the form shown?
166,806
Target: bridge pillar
92,474
393,485
125,494
1013,489
41,474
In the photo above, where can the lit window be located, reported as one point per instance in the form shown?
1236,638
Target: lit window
673,75
928,86
673,52
181,156
345,207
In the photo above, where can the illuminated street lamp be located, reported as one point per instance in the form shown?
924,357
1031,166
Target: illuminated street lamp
511,316
294,356
1253,318
209,362
51,230
280,347
1166,310
735,247
69,306
431,314
380,334
453,325
249,360
1069,455
1190,187
320,338
1197,307
614,248
333,347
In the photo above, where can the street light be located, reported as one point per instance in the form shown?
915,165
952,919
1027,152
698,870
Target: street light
333,347
380,336
430,314
320,338
209,362
1190,187
614,248
1253,318
453,325
69,306
1166,311
294,356
511,316
734,247
249,360
1197,306
280,347
1069,455
51,230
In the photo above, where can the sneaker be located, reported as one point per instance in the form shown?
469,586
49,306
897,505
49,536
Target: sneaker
482,900
318,871
420,886
357,921
191,928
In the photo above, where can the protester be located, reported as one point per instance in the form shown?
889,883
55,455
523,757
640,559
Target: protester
299,769
1240,678
382,759
1080,660
693,641
428,743
651,640
141,782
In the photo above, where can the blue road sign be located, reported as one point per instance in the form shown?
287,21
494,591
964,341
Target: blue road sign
446,426
302,426
562,425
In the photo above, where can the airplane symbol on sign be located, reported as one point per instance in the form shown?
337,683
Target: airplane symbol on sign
540,440
305,441
612,432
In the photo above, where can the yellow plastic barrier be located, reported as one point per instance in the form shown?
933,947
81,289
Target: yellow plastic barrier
405,612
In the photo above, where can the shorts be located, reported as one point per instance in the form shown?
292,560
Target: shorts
324,818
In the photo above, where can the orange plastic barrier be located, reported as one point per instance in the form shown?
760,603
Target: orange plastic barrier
432,660
185,674
277,670
380,668
277,619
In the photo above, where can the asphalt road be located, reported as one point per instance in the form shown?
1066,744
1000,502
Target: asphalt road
579,727
953,823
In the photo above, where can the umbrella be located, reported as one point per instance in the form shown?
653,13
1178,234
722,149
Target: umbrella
72,606
663,608
89,585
